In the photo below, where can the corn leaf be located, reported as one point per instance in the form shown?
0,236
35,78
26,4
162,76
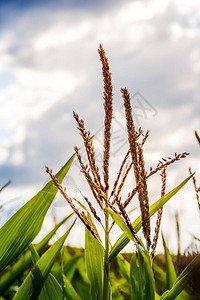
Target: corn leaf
34,282
141,273
80,280
69,268
122,225
51,289
182,280
157,297
123,240
20,230
25,261
124,266
141,276
94,258
88,213
83,290
34,254
81,271
120,287
69,290
160,277
170,270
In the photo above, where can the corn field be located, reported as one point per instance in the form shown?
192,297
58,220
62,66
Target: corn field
100,272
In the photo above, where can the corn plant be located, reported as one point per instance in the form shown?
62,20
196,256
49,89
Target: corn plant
98,255
71,278
18,268
18,233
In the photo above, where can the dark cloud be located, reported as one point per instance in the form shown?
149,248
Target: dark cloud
13,10
81,4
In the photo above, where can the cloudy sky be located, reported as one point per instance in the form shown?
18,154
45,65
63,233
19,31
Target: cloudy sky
50,67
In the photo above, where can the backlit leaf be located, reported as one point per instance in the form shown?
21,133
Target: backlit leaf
69,290
25,261
34,282
183,279
137,224
170,270
51,289
141,276
94,258
21,229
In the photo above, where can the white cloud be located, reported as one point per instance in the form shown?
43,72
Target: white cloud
195,60
61,34
4,155
137,11
17,158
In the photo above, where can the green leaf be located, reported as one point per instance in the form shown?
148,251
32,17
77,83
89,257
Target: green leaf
141,276
122,225
20,230
82,289
94,258
34,254
170,270
182,280
157,297
137,224
120,286
160,278
69,290
34,282
51,289
81,270
124,266
88,213
25,261
69,268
